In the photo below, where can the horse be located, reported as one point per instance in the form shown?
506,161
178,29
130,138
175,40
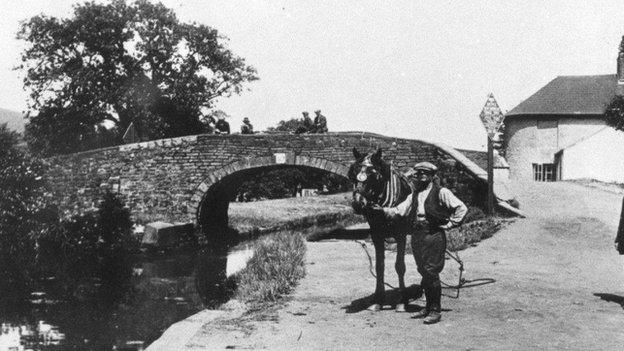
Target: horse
377,184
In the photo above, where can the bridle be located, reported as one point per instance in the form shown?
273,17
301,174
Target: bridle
368,183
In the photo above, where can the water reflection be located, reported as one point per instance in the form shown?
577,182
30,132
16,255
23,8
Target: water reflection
99,315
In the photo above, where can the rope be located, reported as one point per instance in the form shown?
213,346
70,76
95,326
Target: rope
461,283
370,262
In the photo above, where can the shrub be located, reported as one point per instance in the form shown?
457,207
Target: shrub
274,270
614,113
94,246
474,214
25,214
473,232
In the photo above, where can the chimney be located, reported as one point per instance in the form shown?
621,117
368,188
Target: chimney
620,70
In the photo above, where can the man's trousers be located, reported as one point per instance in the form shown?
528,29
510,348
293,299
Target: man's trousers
429,247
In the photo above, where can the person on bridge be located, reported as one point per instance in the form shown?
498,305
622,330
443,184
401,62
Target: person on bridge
222,126
307,124
246,128
320,123
431,210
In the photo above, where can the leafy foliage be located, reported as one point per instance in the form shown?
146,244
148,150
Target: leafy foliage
8,141
292,125
282,183
122,63
24,213
473,232
614,113
35,242
96,246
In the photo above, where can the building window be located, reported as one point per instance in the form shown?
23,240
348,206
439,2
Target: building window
544,172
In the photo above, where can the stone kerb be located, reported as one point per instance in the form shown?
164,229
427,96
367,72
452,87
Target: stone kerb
217,175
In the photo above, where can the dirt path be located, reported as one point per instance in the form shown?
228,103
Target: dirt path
550,272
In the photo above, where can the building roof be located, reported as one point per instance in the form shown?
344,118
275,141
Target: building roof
570,95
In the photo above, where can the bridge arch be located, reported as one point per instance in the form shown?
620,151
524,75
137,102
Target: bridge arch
208,207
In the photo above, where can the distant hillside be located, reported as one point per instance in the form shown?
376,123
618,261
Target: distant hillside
14,120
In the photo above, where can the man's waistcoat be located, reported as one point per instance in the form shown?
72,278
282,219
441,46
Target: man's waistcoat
435,213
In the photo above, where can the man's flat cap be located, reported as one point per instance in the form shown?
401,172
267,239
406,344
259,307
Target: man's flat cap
425,166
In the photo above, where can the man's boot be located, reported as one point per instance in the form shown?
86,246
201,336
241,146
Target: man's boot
422,313
433,317
425,311
436,297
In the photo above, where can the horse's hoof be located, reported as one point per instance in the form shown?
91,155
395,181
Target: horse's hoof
375,307
400,308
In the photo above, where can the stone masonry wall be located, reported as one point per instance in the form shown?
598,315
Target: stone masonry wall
163,176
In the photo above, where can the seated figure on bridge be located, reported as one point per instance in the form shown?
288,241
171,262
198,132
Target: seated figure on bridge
222,126
246,127
320,123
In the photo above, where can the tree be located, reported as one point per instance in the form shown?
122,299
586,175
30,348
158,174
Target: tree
122,63
614,113
292,125
25,215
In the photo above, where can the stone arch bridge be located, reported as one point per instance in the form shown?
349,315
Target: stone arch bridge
192,178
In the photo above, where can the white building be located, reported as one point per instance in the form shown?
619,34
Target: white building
560,133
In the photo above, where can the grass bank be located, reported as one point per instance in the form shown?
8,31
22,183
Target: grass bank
275,269
471,233
309,215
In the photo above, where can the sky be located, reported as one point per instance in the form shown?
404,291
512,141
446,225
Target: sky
405,68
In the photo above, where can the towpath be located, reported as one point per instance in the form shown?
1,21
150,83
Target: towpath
559,285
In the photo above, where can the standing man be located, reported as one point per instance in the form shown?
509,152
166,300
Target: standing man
432,210
222,126
619,239
246,128
320,122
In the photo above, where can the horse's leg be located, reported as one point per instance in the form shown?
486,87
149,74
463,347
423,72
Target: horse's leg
378,300
399,265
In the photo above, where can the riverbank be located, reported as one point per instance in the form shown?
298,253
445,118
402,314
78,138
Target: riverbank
328,212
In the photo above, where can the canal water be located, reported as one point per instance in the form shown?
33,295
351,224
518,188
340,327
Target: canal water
164,289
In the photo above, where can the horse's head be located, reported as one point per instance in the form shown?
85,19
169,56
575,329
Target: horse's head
369,173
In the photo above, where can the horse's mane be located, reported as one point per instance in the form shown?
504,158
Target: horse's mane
396,190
